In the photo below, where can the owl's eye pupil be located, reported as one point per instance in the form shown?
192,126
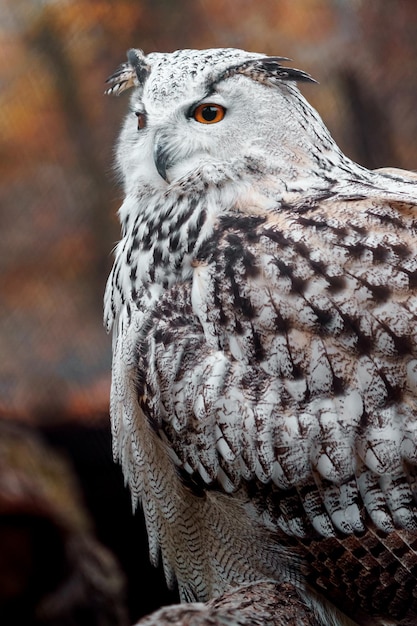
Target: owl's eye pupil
141,120
209,113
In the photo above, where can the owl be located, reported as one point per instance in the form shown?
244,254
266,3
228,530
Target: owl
263,302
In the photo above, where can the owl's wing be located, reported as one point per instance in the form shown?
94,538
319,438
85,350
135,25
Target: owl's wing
291,362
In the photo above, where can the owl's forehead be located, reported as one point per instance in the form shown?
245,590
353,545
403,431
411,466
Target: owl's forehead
186,73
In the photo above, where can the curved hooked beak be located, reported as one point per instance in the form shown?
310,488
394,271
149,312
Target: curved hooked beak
161,157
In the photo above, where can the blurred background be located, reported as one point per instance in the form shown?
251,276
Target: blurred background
58,203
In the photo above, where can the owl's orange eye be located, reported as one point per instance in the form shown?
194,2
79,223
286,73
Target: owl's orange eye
209,113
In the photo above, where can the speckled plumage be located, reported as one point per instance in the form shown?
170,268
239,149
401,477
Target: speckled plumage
253,604
263,304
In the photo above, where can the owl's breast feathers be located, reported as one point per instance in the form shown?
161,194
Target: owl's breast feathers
284,371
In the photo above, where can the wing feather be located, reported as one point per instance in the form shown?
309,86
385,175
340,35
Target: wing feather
290,360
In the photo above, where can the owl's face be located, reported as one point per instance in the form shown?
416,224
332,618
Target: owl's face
194,109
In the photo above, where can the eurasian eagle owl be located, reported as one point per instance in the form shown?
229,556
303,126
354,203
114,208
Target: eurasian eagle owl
264,309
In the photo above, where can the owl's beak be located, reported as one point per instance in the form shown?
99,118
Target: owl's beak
161,158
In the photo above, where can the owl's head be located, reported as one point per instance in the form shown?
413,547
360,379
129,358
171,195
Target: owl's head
192,108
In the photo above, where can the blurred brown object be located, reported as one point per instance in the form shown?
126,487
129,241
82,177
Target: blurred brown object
52,569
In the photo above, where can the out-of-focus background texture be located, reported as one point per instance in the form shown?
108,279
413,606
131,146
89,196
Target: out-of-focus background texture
59,196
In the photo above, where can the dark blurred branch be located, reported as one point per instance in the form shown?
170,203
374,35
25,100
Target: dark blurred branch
371,132
47,41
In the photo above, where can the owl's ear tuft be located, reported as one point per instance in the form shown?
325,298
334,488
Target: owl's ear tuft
272,68
130,74
267,70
